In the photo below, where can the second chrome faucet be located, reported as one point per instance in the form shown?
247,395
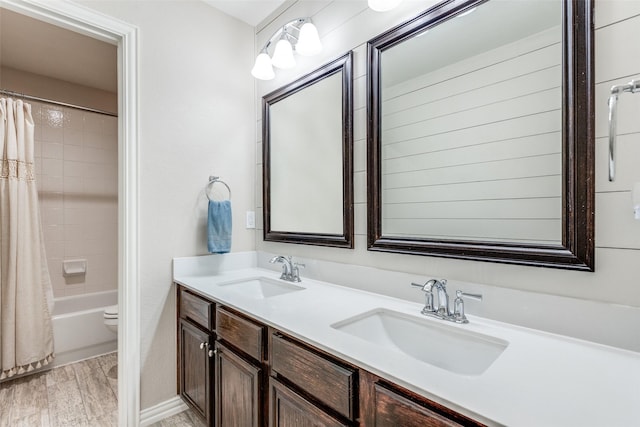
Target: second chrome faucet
440,309
290,269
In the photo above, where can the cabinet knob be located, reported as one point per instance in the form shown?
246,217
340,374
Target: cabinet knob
202,345
212,352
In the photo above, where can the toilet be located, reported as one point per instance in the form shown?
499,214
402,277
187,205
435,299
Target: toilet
111,318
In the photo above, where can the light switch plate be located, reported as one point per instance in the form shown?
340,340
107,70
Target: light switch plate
251,219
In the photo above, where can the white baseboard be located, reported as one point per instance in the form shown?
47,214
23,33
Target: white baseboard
161,411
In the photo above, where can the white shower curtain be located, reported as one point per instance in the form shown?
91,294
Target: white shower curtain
26,298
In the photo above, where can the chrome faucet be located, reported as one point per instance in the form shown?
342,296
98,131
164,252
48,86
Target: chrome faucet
286,265
441,309
443,298
290,269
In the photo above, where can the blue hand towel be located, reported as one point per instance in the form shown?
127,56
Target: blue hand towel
219,227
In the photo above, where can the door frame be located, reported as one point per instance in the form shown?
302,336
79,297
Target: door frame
82,20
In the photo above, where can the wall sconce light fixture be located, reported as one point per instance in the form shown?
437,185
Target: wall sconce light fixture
304,39
382,5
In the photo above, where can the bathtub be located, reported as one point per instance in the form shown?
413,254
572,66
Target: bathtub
78,327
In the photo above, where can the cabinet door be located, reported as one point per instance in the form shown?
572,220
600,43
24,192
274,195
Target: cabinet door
238,390
289,409
196,369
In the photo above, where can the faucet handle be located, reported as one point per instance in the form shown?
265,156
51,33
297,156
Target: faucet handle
295,271
423,286
477,297
428,296
458,305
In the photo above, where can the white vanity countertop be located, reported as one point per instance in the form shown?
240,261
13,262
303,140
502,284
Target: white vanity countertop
540,379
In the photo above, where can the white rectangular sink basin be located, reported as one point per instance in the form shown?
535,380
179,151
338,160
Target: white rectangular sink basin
428,340
261,287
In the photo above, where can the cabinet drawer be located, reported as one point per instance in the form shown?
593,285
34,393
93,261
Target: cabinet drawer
392,409
243,334
289,409
196,309
326,380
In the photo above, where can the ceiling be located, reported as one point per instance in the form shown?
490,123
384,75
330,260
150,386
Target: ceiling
34,46
250,11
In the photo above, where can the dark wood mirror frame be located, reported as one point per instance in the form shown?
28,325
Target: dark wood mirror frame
578,224
343,64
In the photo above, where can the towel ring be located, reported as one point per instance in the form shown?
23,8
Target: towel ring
212,181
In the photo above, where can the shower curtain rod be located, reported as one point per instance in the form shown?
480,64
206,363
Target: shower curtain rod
51,101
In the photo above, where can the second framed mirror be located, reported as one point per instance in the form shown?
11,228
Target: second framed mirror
480,137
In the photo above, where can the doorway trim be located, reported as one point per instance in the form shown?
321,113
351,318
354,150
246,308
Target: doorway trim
82,20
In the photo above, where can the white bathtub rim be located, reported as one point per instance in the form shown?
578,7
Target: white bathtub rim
97,301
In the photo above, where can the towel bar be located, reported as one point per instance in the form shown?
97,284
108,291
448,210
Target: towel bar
633,86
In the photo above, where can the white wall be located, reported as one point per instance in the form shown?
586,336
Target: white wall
348,25
196,119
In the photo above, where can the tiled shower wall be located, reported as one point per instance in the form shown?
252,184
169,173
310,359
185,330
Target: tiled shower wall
77,177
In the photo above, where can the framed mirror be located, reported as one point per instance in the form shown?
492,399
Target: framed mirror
481,134
308,158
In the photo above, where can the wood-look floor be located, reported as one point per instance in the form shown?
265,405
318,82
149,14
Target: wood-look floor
183,419
80,394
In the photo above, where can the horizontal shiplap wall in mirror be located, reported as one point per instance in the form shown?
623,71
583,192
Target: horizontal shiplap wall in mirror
617,269
473,150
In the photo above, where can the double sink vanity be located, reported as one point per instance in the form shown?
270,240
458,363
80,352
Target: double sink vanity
476,151
257,350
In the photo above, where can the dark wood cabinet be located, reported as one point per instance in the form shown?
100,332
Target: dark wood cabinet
238,390
240,370
236,372
196,362
196,368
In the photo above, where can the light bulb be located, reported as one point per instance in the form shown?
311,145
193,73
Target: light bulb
262,68
283,55
383,5
308,41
